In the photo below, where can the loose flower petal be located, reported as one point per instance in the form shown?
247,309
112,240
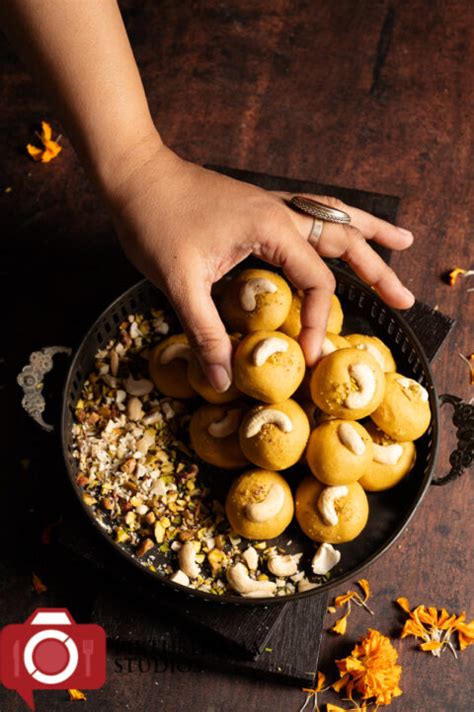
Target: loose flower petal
465,633
76,695
340,626
344,598
403,603
435,628
469,360
432,645
38,585
364,584
50,148
456,273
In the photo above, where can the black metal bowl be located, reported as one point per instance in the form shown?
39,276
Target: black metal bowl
390,511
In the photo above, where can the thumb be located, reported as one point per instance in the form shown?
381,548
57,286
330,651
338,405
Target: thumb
206,333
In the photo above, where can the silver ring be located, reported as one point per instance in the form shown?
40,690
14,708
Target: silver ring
316,230
319,210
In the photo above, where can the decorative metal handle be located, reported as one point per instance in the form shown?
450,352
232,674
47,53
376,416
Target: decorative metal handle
462,457
31,381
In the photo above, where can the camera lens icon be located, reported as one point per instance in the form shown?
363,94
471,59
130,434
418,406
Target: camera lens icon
50,656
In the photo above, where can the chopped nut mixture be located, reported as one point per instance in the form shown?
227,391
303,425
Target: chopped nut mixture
139,476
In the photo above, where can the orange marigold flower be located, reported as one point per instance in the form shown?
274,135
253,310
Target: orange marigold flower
50,148
76,694
372,669
38,585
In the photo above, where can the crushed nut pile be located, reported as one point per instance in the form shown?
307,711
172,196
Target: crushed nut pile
139,476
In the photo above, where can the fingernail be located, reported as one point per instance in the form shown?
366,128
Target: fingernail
218,378
408,293
405,233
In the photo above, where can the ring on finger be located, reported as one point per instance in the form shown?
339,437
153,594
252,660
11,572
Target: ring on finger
318,210
316,230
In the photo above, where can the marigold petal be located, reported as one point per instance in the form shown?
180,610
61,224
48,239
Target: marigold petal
431,645
334,708
454,274
340,626
46,131
426,615
76,694
35,153
465,633
339,684
344,598
412,627
403,603
321,679
38,585
364,584
51,150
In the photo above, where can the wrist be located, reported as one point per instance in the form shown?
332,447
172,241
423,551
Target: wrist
114,167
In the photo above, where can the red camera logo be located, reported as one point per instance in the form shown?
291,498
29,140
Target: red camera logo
49,651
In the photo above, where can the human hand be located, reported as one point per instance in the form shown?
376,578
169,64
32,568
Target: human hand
184,227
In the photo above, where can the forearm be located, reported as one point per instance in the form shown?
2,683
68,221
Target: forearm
79,52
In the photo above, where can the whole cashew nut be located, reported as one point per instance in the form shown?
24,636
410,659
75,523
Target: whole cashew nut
266,348
325,559
326,503
365,379
174,351
387,454
239,579
410,384
187,560
251,288
267,416
226,425
350,438
268,507
283,565
139,387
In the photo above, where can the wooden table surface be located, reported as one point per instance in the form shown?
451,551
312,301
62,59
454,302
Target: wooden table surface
372,95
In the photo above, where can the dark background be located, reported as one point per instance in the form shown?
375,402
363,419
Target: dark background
372,95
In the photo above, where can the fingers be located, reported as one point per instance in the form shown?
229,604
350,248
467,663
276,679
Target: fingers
372,228
205,330
305,269
372,269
